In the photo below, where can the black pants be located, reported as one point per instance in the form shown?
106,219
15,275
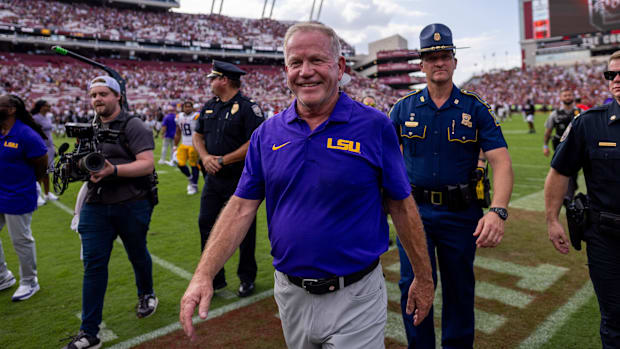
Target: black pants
214,196
604,265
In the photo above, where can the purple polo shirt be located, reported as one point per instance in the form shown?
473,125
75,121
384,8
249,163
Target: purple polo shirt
323,188
171,126
18,193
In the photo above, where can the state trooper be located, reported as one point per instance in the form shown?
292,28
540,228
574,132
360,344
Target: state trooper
443,131
221,139
591,142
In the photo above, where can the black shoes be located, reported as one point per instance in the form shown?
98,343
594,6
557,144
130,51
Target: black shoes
245,289
83,341
147,304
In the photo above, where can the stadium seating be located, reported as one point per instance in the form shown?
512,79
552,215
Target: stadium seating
132,24
150,85
542,84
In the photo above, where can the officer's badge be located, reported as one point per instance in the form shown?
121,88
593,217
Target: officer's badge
234,109
257,110
565,134
437,37
466,120
421,98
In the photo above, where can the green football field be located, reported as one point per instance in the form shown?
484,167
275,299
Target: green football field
528,296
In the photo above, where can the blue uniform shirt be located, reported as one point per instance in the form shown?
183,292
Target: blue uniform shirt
441,146
18,193
323,188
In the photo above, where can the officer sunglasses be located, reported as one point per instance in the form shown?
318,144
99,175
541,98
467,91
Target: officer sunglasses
610,74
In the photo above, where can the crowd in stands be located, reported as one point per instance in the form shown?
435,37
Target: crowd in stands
542,84
129,24
151,86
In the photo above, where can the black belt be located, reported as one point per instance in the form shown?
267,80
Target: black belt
327,285
455,197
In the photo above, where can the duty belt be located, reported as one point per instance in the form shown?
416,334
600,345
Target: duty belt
327,285
455,197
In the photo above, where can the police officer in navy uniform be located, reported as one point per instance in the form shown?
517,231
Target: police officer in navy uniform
592,142
221,139
443,131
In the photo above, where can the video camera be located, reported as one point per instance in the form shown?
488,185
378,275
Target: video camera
85,158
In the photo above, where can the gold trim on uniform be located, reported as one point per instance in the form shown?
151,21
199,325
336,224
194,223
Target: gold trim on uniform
606,144
234,109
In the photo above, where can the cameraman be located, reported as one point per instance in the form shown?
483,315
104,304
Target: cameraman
116,204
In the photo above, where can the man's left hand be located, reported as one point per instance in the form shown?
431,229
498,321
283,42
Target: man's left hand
107,170
490,230
420,299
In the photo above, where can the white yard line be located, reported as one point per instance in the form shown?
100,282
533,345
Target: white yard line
196,319
159,261
553,322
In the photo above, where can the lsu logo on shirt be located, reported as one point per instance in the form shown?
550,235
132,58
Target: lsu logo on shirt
344,144
11,144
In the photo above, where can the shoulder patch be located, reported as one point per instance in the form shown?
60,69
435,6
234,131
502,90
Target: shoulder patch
565,134
257,110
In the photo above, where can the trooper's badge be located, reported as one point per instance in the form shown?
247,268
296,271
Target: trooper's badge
566,133
234,109
437,36
257,110
466,121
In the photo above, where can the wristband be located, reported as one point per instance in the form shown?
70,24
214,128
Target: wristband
545,146
115,171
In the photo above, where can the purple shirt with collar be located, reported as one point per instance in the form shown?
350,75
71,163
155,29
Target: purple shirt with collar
323,188
18,193
171,125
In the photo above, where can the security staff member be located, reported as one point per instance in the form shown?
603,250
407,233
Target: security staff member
221,139
592,142
442,129
559,120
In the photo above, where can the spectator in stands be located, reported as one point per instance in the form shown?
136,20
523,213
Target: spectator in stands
23,161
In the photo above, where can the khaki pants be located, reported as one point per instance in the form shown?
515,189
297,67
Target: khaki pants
352,317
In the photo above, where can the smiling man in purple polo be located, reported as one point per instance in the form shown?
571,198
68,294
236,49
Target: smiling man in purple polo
325,166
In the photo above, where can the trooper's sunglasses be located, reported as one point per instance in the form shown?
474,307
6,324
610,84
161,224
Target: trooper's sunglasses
610,74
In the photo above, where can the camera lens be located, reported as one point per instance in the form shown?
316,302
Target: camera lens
92,162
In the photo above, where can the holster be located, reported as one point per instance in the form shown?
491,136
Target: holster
482,186
577,212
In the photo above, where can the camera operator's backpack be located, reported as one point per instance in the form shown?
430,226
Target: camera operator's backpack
148,182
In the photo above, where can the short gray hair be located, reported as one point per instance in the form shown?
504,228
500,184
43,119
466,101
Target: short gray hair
314,26
615,55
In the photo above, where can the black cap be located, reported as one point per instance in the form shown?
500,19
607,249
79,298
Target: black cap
436,37
226,69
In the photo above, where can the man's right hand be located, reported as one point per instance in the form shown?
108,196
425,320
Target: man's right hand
210,163
420,299
198,293
558,238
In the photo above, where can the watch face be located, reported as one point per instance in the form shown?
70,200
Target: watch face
501,212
